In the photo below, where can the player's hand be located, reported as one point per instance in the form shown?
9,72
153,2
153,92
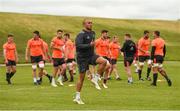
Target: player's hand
6,61
92,43
147,52
26,59
17,60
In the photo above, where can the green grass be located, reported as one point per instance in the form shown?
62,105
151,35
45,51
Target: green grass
25,96
22,26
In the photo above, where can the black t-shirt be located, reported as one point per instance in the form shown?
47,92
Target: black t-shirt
83,47
129,48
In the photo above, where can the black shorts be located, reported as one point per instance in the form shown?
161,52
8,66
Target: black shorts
128,60
70,60
58,61
36,59
143,58
158,59
107,58
113,61
11,63
83,63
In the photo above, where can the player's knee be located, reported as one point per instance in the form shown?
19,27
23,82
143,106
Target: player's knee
34,66
141,64
41,65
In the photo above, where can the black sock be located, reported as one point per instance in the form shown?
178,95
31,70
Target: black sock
105,80
166,77
7,76
148,72
139,73
155,76
65,76
11,75
47,75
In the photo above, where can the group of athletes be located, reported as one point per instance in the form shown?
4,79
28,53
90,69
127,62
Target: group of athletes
87,53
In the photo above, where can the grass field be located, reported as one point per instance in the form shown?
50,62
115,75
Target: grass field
22,26
24,95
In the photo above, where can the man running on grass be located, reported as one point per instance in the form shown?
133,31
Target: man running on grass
86,56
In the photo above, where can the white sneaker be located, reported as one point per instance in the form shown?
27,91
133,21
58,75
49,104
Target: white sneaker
53,84
60,82
105,86
96,84
78,101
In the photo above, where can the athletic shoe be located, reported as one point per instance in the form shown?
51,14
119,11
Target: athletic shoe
118,78
96,84
169,82
54,84
130,82
50,79
78,101
105,86
60,82
152,84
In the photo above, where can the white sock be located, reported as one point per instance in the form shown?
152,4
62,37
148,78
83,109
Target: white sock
38,78
117,76
34,79
77,95
53,80
60,77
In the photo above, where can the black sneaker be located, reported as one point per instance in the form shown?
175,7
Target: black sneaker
152,84
148,79
71,80
65,79
169,82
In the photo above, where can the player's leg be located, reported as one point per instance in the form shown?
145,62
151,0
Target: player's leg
83,67
47,75
141,65
74,67
164,74
149,62
34,68
13,71
127,64
107,68
40,74
155,74
62,68
70,68
55,71
116,72
8,71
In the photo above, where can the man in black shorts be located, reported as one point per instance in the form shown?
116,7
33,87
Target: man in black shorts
158,53
129,50
86,56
